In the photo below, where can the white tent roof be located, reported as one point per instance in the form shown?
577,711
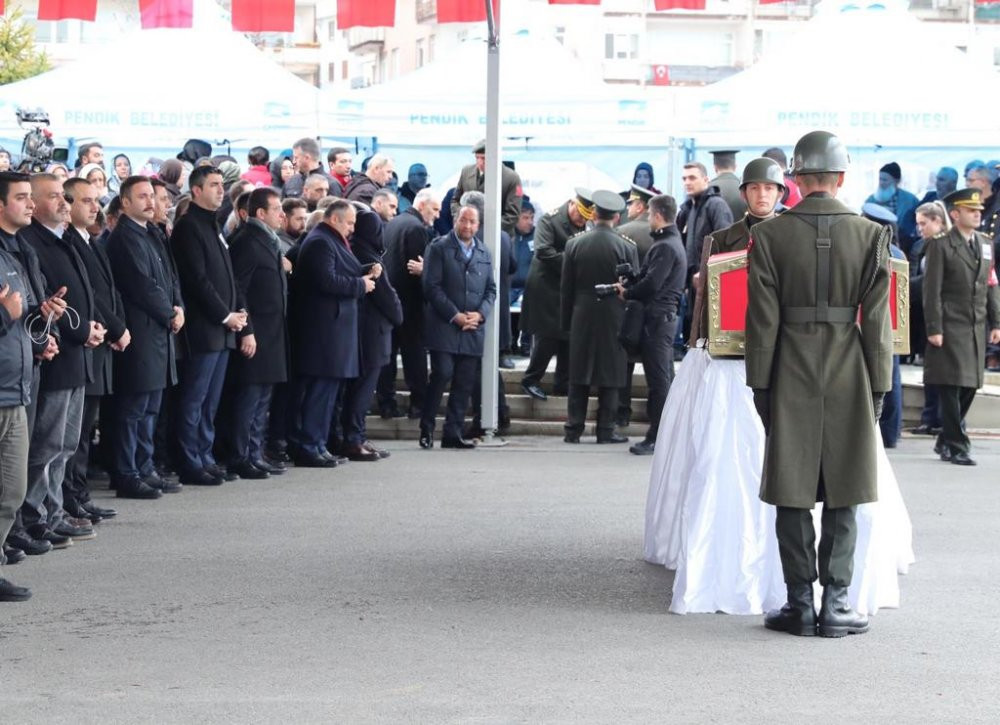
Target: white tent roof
214,85
546,94
876,77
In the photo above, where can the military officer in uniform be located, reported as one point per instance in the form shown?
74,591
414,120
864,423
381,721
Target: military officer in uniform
596,358
473,178
637,226
960,297
728,182
818,377
540,309
762,188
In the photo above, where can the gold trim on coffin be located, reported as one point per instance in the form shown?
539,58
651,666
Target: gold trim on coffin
723,343
732,343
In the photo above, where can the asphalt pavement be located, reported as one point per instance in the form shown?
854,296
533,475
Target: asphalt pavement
486,586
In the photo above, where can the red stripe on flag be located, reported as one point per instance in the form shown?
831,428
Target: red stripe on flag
465,11
679,4
367,13
264,16
166,13
67,9
574,2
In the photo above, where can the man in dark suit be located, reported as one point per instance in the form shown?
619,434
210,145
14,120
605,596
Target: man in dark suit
473,178
215,313
406,239
378,314
83,207
460,292
59,411
329,281
154,314
263,343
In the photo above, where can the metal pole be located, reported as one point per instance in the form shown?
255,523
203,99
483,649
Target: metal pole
491,230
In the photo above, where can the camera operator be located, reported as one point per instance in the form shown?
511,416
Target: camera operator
659,286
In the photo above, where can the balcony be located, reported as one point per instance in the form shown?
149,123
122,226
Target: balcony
365,40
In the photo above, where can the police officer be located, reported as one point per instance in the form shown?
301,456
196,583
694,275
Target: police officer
596,358
818,377
637,226
762,188
540,309
959,278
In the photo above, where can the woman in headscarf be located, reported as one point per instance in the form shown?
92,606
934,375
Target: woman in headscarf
94,173
58,170
170,173
121,170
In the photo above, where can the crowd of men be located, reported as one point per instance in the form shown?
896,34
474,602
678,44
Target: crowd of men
132,302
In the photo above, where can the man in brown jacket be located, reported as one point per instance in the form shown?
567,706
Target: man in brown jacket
960,296
818,376
473,178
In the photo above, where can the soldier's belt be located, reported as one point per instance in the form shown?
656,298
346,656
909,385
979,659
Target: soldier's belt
836,315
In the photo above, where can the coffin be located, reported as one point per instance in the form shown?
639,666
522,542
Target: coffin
727,304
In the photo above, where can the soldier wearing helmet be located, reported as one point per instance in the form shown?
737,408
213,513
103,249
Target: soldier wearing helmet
819,370
762,188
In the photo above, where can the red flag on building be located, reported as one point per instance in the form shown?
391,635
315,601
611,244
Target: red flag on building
661,75
774,2
166,13
67,9
574,2
264,16
465,11
679,4
367,13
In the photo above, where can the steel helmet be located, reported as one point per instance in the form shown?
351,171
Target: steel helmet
763,171
819,152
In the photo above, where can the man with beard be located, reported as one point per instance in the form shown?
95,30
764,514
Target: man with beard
339,160
385,204
897,200
314,188
305,159
295,214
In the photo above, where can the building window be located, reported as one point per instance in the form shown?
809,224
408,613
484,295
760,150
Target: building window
421,53
560,34
621,46
393,63
331,30
331,72
430,49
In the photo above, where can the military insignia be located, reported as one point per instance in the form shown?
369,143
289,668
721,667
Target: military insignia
987,251
628,239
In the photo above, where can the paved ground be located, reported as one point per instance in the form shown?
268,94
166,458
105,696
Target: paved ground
477,587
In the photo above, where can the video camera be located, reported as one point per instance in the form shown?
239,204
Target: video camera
623,272
38,149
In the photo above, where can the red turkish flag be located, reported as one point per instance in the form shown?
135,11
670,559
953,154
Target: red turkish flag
67,9
465,11
264,16
774,2
679,4
661,75
574,2
367,13
166,13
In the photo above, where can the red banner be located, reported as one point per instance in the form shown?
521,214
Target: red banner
574,2
166,13
367,13
66,9
661,75
770,2
465,11
264,16
679,4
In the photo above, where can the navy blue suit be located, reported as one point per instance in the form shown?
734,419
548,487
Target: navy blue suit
328,285
454,283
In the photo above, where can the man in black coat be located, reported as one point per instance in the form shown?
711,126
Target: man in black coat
376,175
215,313
84,204
263,343
460,294
406,239
329,282
154,313
658,285
59,410
378,314
306,159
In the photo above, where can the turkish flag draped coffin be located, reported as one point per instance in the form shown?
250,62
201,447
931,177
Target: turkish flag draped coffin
66,9
264,16
726,297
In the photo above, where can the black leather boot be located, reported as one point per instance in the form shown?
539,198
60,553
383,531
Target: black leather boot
798,616
836,617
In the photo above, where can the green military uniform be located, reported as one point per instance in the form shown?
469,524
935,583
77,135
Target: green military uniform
540,308
596,358
638,229
960,298
471,179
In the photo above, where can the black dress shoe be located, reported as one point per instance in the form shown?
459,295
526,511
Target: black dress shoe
836,617
336,458
612,438
309,460
201,478
58,541
77,510
459,443
426,438
269,468
219,472
571,438
359,453
13,556
13,593
31,546
74,531
278,454
381,453
161,484
246,469
961,458
922,430
644,448
104,513
798,616
135,488
534,391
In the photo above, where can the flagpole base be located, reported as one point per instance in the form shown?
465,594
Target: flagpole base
491,440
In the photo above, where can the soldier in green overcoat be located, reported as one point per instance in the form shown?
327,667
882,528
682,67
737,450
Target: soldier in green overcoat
540,307
596,358
960,297
819,370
